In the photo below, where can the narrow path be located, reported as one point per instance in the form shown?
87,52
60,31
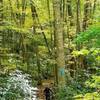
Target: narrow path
45,83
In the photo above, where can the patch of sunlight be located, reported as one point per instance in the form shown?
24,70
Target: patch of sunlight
88,96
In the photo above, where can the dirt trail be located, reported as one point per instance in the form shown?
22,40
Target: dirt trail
45,83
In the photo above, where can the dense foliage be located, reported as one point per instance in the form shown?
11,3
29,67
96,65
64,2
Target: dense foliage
50,40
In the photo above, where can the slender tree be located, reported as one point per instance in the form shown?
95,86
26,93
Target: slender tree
94,6
1,22
18,15
69,8
50,23
37,21
1,12
24,5
69,11
78,16
34,16
86,18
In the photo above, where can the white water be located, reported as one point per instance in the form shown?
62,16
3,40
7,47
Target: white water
18,80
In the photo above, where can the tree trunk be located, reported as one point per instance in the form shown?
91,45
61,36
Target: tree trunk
58,29
69,11
94,6
23,12
86,18
50,23
34,16
1,12
78,16
38,63
1,23
18,15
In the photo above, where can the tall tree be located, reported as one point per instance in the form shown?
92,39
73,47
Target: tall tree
1,22
24,3
69,8
87,11
94,6
50,23
1,12
69,11
34,16
18,15
78,16
59,48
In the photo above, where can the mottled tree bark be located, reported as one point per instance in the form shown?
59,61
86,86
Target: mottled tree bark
59,48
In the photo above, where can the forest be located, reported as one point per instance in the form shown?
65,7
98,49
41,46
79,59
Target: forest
52,44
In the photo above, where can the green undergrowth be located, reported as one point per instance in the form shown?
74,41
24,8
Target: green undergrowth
85,88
